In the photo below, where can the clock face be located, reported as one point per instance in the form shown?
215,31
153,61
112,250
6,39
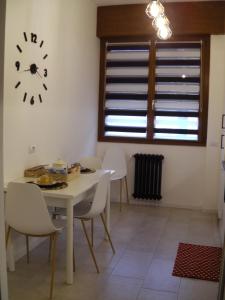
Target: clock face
32,69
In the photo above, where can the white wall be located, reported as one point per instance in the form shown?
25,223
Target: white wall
190,174
65,124
3,273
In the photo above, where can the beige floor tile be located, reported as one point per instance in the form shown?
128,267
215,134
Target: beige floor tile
120,288
146,294
133,264
160,276
193,289
175,230
146,240
167,249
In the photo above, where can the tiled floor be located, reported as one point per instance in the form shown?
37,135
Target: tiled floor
146,240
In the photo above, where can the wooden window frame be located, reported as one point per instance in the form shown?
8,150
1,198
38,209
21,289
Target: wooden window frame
204,92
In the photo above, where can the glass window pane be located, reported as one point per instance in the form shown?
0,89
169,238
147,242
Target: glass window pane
126,134
126,121
176,122
173,136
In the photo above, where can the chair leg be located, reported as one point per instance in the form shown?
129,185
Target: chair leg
74,265
50,249
107,232
89,245
74,262
27,247
7,235
92,232
128,200
121,194
54,237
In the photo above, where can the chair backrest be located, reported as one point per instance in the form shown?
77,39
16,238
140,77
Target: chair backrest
26,209
114,159
100,197
91,162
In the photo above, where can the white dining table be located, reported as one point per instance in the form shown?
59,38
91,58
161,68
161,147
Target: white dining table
66,198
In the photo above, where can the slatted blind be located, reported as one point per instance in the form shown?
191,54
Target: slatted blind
126,89
177,90
154,91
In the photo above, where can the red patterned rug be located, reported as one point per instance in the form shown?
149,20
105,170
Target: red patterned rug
200,262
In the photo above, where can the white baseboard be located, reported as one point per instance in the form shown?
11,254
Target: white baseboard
156,203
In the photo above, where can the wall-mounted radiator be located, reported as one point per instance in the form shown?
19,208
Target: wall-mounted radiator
148,176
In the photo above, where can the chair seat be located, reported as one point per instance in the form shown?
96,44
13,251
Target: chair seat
118,175
78,210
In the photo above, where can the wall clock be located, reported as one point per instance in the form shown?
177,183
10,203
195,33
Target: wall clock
34,67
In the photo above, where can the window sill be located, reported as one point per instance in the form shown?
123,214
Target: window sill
152,142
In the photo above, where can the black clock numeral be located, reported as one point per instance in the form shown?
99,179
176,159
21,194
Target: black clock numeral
24,97
45,87
40,98
17,64
32,100
41,44
19,49
18,83
33,38
46,55
45,72
25,36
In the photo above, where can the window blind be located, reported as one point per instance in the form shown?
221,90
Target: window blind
177,90
126,89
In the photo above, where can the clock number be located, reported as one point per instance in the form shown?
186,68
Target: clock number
24,97
19,49
18,83
40,98
33,38
25,36
17,64
45,72
41,44
32,100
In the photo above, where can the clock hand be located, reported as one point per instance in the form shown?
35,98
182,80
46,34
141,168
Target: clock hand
33,69
39,74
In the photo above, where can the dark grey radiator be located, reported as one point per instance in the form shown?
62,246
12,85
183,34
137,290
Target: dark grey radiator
148,176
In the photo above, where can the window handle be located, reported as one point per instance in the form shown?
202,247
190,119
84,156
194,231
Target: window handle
221,142
153,104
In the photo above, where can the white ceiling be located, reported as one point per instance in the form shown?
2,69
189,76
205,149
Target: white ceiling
117,2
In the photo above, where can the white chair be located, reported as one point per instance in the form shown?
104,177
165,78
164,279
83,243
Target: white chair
114,159
87,211
91,162
95,209
27,213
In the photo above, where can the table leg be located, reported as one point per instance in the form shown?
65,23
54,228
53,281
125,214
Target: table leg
10,253
69,244
107,210
10,256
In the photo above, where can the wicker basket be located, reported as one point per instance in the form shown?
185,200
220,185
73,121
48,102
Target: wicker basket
35,172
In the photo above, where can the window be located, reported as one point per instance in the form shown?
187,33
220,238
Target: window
154,91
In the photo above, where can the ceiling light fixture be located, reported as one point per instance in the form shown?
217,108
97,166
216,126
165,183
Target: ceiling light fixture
164,33
155,10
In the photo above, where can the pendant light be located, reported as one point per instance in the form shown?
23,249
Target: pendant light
155,10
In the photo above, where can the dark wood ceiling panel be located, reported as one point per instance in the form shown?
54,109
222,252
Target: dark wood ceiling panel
206,17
